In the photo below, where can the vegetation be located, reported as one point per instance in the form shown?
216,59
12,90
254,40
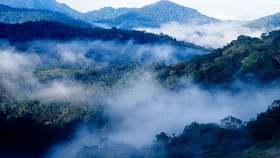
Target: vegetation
268,23
106,13
154,15
258,138
246,59
51,5
30,126
202,140
44,30
104,76
20,15
207,141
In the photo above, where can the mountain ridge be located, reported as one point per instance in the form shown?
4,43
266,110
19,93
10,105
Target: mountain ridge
51,5
153,15
107,13
268,23
19,15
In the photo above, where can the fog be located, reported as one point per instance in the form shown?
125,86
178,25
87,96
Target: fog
213,35
144,108
19,62
140,107
91,52
13,62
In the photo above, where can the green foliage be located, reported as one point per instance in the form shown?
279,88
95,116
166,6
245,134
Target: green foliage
51,5
43,30
151,16
269,22
30,127
259,138
267,124
206,140
246,59
106,13
17,15
109,150
264,149
98,75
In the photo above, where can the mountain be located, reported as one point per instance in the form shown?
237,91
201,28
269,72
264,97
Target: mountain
19,34
33,122
151,16
51,5
29,31
259,138
19,15
107,13
130,21
247,59
268,23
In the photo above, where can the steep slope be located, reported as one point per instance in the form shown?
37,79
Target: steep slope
19,15
107,13
251,60
29,31
166,11
51,5
130,21
156,14
268,22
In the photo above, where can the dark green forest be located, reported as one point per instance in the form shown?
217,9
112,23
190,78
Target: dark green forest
246,59
30,127
45,30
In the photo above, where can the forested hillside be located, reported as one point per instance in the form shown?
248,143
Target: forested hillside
153,16
20,15
245,59
50,5
268,23
56,31
56,79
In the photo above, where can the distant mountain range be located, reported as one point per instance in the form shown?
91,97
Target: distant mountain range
126,18
51,5
269,22
107,13
19,15
149,16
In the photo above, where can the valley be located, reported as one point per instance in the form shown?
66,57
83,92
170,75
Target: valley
71,88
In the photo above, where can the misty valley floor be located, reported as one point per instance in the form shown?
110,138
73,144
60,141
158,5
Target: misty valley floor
122,93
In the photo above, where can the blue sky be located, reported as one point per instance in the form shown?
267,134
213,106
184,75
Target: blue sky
231,9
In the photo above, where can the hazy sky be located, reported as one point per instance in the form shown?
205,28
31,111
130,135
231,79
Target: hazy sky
232,9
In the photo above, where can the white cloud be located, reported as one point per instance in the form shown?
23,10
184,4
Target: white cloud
61,91
145,108
225,17
13,62
210,35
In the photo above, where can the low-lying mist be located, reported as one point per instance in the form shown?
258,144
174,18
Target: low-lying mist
143,108
18,64
138,105
91,52
213,35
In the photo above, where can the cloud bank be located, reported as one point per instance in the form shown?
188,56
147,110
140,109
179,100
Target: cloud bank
144,108
209,35
139,107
